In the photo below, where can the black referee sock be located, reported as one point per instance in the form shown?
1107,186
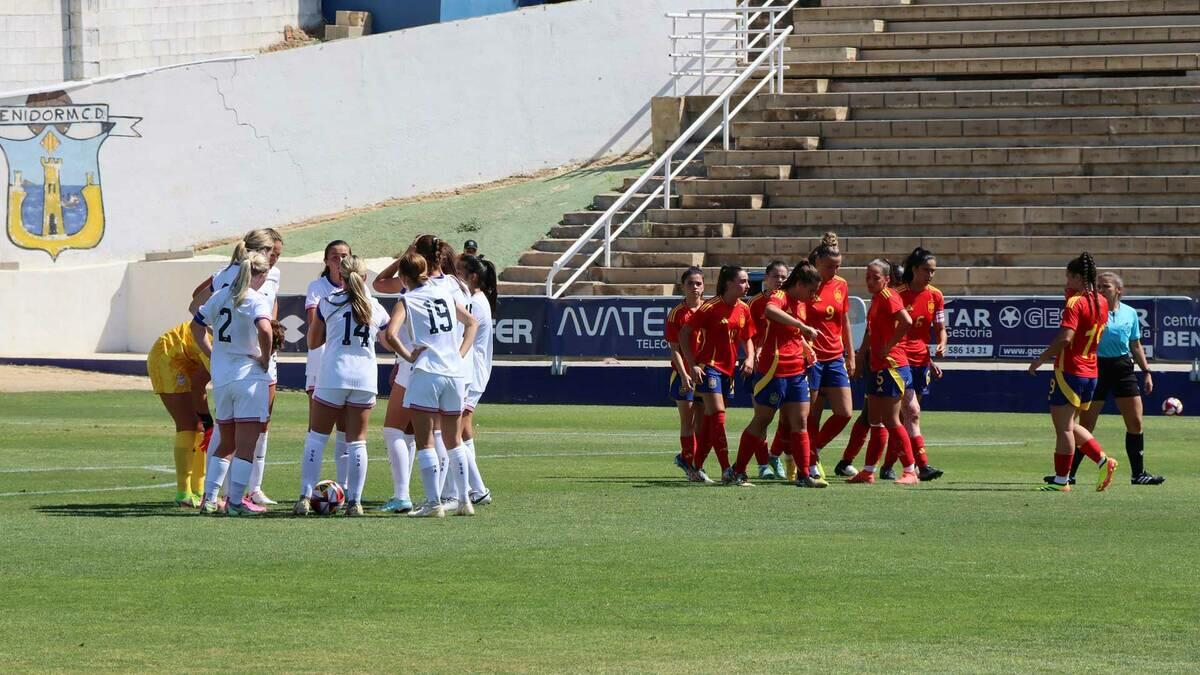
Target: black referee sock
1134,445
1075,462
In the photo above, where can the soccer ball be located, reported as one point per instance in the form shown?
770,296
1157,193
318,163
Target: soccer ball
1172,406
327,498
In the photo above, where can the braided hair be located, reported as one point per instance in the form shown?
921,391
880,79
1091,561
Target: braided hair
1085,267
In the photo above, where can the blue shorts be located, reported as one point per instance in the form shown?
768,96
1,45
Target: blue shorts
922,376
715,382
675,388
828,374
890,382
776,391
1072,390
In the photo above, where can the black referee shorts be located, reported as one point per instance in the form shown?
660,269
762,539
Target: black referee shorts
1117,378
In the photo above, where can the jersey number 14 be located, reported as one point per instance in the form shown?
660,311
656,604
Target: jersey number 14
360,331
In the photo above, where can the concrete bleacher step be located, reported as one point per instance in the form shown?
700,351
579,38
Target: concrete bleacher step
625,258
810,54
714,229
877,44
1015,65
785,143
972,132
590,217
1041,9
794,85
605,200
721,201
751,170
856,26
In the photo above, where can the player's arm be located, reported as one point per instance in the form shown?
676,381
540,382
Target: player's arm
200,295
200,335
848,343
939,322
265,336
471,326
399,314
680,366
1139,357
776,314
316,329
863,357
748,364
903,323
685,351
1060,342
387,281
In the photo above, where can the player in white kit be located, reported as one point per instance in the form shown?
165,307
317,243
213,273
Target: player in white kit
480,278
240,355
347,324
320,288
270,243
431,316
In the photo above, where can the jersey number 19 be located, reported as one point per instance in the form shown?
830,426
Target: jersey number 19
439,316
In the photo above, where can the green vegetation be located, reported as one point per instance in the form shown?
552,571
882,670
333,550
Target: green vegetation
596,555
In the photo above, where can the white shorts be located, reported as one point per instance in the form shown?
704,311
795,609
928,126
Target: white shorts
340,398
243,401
404,371
435,393
310,382
471,400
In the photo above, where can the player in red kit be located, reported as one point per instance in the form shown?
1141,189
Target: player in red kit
887,326
725,325
1075,370
782,376
776,272
680,387
927,308
829,378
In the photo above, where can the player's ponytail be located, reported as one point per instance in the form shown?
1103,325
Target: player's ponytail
728,273
414,269
804,273
354,281
1084,267
485,276
328,248
435,252
828,248
252,264
255,240
918,257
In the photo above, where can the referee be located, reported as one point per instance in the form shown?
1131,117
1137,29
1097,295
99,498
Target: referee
1120,347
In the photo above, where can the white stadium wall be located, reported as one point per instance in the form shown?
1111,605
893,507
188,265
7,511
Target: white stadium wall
207,151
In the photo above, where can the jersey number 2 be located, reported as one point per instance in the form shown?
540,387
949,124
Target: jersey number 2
360,331
222,336
439,316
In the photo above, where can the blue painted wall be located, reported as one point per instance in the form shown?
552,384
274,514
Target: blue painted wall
388,15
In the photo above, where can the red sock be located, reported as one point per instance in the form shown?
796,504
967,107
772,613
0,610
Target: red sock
760,451
899,443
918,443
703,442
720,444
833,427
1062,465
687,448
1093,450
879,439
801,449
781,444
747,446
858,436
892,454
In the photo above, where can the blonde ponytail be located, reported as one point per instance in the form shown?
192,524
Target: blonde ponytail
354,281
255,240
252,264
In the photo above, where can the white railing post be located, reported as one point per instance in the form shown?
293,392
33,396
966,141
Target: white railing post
674,57
667,183
725,124
608,241
781,66
703,58
771,39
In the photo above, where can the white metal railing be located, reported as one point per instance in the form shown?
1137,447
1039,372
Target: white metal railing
715,42
666,166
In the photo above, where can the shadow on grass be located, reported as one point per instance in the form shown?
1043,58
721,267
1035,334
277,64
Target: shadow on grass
609,168
167,510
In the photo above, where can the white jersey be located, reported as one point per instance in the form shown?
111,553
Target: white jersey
318,290
481,362
225,277
349,359
235,335
461,295
433,324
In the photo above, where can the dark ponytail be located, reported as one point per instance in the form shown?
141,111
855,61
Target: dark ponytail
804,273
918,257
328,248
485,276
1085,267
727,274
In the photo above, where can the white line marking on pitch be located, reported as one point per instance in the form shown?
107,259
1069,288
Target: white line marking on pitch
156,486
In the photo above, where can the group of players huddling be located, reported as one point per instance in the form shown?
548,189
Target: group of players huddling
440,329
798,356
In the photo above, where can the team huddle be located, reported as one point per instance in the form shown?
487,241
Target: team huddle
440,329
799,355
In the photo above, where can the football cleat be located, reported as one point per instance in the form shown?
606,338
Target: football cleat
742,480
241,510
354,509
844,469
1107,468
728,476
481,499
248,504
395,505
259,497
908,478
776,464
303,507
465,508
428,510
1145,478
887,473
863,477
765,472
811,482
930,473
789,468
1054,487
1050,479
820,470
209,508
702,477
187,500
450,504
687,469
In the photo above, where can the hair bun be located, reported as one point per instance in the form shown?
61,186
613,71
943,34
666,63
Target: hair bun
829,239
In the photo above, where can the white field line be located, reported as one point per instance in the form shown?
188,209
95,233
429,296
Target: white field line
156,486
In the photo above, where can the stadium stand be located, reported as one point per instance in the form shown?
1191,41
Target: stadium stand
1005,136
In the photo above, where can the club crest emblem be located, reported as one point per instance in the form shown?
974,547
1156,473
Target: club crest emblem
712,383
837,295
52,149
774,398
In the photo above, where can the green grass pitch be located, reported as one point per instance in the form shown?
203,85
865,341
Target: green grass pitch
595,556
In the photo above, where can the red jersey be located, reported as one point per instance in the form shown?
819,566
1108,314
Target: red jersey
758,312
1079,356
675,321
784,350
881,324
927,309
723,325
828,310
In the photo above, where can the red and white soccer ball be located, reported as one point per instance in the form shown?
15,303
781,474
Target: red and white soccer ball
327,498
1172,406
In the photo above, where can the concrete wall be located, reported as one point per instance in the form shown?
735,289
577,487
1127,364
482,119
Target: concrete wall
49,41
225,147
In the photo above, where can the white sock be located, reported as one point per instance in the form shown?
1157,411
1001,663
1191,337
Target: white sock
458,472
215,474
260,463
310,464
239,477
356,475
870,468
400,461
341,457
214,442
474,478
911,468
223,482
427,459
443,461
